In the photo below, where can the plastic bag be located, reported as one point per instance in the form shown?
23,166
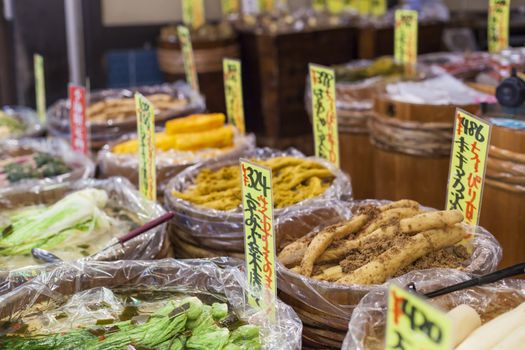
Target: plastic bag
441,90
153,244
325,307
101,133
221,278
169,163
28,117
208,232
368,321
82,167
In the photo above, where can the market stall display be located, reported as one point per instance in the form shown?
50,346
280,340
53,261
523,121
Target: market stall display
276,50
504,192
184,142
166,304
17,122
484,317
211,43
327,266
206,198
74,221
111,113
376,33
356,86
31,163
412,136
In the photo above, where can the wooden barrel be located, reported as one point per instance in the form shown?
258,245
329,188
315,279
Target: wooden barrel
357,153
503,206
208,55
412,149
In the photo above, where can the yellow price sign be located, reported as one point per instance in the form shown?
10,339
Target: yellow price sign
362,6
498,25
230,6
322,89
193,13
319,5
468,163
414,324
40,87
189,60
378,7
405,37
233,93
335,6
146,137
259,235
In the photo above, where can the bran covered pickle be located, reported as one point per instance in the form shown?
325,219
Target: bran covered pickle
154,305
380,242
294,180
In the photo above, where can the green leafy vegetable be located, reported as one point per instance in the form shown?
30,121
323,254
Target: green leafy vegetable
168,328
77,213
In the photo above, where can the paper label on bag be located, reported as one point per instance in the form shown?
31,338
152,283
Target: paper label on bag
189,60
259,237
467,165
319,5
146,138
498,25
405,37
233,93
414,324
230,6
322,89
77,119
378,7
251,7
193,13
40,87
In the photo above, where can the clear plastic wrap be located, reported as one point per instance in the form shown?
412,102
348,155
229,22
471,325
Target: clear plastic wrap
209,232
367,326
107,131
325,307
82,167
220,278
443,89
153,244
169,163
30,120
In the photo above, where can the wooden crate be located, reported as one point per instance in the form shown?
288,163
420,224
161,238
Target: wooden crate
375,42
275,70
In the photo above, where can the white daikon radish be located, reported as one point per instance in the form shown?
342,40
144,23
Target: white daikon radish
464,321
514,341
494,331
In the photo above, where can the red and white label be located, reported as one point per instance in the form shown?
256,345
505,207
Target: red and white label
77,119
